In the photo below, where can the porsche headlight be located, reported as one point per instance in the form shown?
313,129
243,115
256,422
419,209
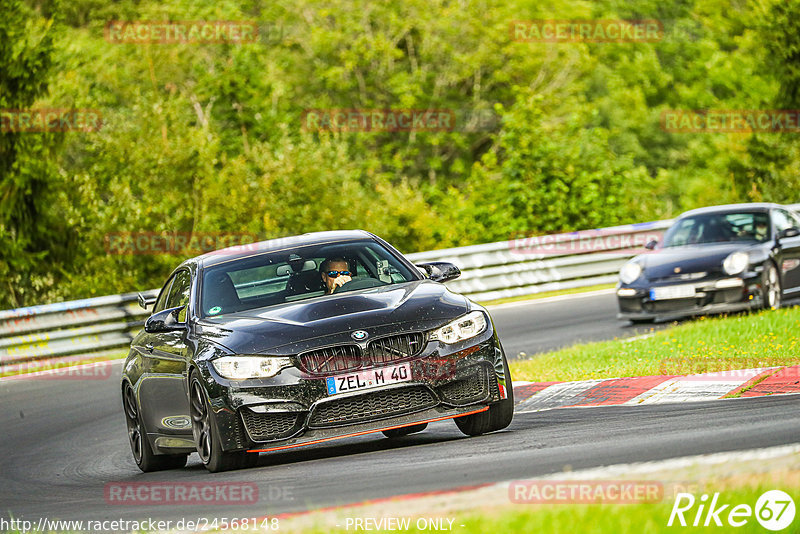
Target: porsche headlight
630,272
736,262
243,367
466,327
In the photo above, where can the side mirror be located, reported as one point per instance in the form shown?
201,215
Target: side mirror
164,321
789,232
440,271
651,245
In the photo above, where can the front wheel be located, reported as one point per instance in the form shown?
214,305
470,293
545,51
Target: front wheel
143,454
497,417
772,287
206,439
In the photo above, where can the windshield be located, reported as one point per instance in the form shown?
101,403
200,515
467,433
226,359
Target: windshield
719,228
297,274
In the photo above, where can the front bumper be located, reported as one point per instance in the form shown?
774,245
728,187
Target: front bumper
312,437
711,296
293,409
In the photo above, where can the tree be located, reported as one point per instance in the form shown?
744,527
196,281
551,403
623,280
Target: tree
771,169
28,181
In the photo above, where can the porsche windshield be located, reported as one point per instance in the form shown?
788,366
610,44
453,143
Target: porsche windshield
719,228
297,274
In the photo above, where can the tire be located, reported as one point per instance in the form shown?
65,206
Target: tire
143,454
400,432
206,438
497,417
771,283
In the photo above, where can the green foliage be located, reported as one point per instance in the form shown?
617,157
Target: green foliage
769,169
781,27
31,246
705,345
554,176
209,137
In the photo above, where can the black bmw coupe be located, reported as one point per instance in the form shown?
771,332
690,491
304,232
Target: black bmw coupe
303,340
716,259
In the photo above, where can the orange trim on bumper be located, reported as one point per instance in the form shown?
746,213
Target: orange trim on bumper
363,432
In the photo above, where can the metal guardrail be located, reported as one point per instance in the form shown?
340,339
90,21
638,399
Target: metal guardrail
517,267
530,265
79,327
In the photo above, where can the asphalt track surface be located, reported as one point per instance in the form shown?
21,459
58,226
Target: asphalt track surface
552,323
62,441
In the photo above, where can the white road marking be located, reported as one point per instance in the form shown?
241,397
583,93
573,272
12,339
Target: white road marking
557,395
694,388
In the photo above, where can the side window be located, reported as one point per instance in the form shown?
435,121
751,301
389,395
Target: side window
782,220
795,219
161,303
680,235
179,293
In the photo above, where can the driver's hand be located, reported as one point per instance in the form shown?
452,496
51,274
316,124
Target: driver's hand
339,281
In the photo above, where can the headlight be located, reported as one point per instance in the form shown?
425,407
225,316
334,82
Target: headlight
243,367
468,326
736,262
630,272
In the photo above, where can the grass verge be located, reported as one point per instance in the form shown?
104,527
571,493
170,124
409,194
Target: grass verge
707,344
636,518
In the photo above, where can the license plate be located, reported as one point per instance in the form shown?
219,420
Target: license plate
368,379
672,292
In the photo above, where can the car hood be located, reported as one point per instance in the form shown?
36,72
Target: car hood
294,327
691,259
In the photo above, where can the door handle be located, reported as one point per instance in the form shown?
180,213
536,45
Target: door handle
149,347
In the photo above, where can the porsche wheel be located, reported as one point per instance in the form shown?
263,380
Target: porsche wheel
772,287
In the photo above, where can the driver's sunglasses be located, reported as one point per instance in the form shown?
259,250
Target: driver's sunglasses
334,274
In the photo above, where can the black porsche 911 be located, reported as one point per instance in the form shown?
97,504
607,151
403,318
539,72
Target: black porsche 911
302,340
716,259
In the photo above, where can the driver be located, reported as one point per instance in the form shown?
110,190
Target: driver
335,273
761,229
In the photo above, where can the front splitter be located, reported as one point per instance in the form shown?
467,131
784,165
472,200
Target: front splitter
314,437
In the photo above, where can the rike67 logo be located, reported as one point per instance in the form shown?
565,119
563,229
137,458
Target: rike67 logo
774,510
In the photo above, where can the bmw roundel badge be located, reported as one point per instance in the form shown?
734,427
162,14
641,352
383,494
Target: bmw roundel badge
359,335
